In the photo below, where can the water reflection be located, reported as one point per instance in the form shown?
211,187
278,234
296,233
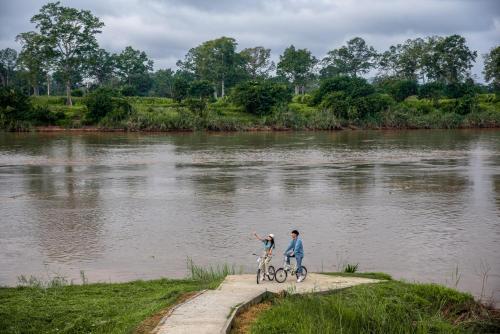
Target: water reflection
124,206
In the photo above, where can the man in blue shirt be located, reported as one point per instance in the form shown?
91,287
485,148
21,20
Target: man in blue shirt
295,249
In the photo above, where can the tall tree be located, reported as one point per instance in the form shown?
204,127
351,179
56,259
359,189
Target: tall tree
403,61
70,33
297,66
215,61
492,67
132,63
354,59
102,66
448,59
34,58
8,59
163,81
258,63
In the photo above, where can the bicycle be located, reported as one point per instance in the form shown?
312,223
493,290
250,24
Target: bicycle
270,269
281,274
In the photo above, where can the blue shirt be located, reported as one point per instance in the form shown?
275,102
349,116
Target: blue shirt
296,246
267,245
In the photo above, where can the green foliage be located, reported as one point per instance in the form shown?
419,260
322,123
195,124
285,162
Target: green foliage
106,102
77,92
15,109
180,89
399,89
351,268
296,65
201,89
259,97
69,34
351,87
431,90
353,59
388,307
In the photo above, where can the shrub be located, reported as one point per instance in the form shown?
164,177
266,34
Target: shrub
432,90
129,90
14,104
259,97
77,92
42,115
106,102
201,89
399,89
180,89
338,103
352,87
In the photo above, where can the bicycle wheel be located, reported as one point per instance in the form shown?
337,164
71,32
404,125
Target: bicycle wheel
258,276
304,272
272,272
280,275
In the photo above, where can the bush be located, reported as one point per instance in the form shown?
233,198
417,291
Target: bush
129,90
352,87
77,92
106,102
201,89
460,89
15,108
432,90
180,89
42,115
259,97
399,89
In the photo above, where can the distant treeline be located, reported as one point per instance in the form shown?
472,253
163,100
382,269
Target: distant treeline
421,83
62,57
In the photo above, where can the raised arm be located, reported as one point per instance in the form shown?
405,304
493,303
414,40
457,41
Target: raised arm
257,236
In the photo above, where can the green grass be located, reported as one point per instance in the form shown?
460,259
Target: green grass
91,308
388,307
59,307
381,276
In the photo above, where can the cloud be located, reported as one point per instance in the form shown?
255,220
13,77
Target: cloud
167,29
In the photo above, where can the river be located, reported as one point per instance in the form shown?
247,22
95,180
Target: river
420,205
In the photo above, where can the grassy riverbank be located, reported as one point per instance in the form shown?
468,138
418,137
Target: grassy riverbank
136,307
389,307
164,114
57,306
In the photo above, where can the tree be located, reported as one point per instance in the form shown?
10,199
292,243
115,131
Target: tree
448,59
215,61
102,66
259,97
132,63
354,59
352,87
492,67
70,34
297,66
8,59
163,81
201,89
33,58
403,61
258,63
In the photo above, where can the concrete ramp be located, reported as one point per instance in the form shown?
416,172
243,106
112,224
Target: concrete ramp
213,311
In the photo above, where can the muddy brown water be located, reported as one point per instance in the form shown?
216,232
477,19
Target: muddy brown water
415,204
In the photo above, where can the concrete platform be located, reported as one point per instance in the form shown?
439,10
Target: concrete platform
212,311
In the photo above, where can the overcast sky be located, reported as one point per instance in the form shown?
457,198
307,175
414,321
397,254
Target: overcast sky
166,29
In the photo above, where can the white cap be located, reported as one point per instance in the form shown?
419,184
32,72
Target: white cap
271,235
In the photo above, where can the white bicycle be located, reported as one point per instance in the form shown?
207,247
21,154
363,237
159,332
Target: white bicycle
270,269
281,273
